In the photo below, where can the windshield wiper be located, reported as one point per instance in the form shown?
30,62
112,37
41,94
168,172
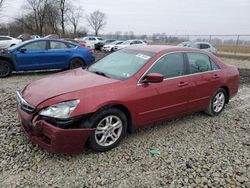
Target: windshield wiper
100,73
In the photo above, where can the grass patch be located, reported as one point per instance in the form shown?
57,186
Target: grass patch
232,48
221,48
241,57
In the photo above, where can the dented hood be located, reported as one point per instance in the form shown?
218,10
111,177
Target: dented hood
61,83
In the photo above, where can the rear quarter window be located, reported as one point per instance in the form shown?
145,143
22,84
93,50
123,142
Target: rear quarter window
214,65
71,45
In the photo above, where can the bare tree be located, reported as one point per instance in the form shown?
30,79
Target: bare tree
1,3
39,9
52,19
63,7
26,22
74,16
97,21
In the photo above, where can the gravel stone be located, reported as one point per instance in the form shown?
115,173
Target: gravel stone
195,151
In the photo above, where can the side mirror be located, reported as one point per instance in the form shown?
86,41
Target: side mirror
22,50
153,78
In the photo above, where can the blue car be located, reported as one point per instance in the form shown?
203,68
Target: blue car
44,54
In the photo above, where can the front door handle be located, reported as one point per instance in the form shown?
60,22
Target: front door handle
182,84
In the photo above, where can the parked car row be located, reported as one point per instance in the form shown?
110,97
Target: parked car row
90,41
109,45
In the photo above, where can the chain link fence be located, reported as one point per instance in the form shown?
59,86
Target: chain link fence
226,44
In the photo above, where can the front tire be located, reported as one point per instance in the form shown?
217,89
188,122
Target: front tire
111,127
5,69
217,102
76,63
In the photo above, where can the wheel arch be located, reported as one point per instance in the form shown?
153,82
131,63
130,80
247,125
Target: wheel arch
227,92
8,60
77,57
125,110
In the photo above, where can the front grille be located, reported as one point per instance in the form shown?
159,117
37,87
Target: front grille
23,104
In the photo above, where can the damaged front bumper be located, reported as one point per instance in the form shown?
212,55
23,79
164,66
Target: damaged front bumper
51,138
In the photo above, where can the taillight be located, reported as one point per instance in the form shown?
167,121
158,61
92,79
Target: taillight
90,51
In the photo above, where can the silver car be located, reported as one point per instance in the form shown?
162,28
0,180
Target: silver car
200,45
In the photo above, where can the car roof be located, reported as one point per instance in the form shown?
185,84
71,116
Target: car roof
160,48
202,42
5,36
46,39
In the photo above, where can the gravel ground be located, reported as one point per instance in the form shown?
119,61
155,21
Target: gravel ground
241,64
194,151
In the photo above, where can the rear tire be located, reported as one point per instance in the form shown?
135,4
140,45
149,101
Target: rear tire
217,102
5,69
77,63
111,127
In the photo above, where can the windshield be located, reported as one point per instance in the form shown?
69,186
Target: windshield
121,65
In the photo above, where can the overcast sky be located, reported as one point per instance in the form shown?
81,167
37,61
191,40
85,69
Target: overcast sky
169,16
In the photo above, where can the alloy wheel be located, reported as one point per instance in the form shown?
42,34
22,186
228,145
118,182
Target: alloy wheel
4,69
219,102
108,130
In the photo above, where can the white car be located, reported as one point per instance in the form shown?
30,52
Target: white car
200,45
184,44
110,47
6,41
204,46
35,37
128,43
90,41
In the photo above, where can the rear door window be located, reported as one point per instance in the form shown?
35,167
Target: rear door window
55,45
171,65
198,62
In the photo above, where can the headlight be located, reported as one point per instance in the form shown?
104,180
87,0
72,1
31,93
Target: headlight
60,110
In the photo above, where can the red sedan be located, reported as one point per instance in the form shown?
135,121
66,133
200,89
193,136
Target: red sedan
125,90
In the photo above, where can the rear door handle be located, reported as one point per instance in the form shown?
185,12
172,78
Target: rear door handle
182,84
216,76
